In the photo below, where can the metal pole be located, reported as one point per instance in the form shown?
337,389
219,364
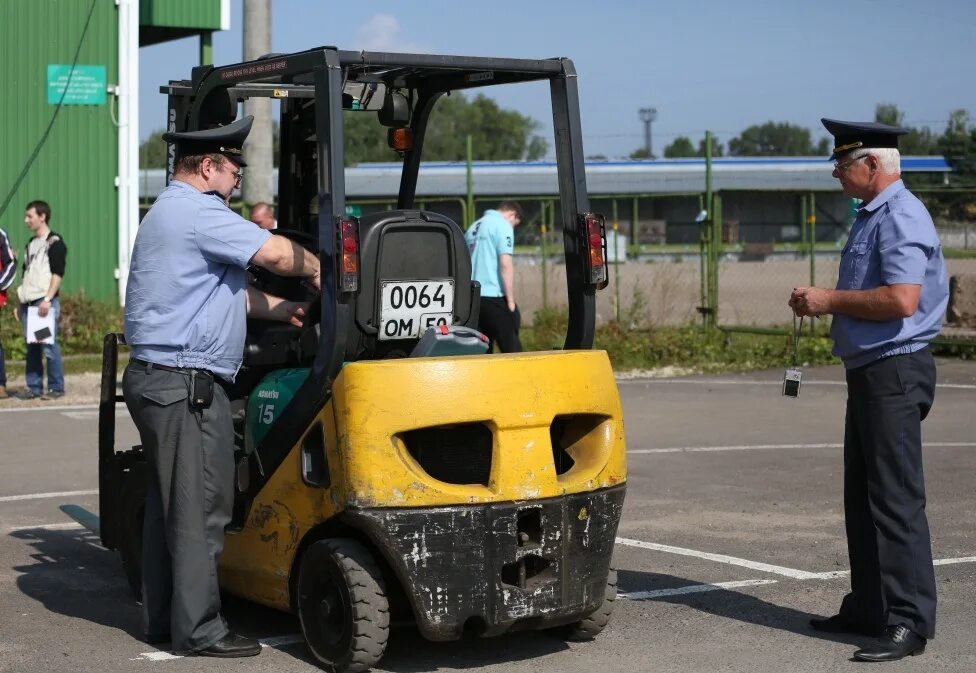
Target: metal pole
617,262
257,184
709,302
648,115
634,228
812,222
716,254
803,222
543,229
206,47
470,183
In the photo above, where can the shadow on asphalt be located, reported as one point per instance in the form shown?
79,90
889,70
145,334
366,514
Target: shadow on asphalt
72,575
732,604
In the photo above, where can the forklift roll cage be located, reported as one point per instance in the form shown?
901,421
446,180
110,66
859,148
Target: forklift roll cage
320,76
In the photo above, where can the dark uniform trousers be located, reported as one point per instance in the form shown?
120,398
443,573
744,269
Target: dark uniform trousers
500,325
892,578
189,501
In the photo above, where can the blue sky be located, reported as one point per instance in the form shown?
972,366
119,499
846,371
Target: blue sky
703,64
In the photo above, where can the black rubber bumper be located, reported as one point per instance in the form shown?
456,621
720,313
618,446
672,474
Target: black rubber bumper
499,567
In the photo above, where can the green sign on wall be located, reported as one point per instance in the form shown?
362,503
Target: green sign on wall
86,85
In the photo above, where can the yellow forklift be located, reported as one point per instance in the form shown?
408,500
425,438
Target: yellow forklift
388,468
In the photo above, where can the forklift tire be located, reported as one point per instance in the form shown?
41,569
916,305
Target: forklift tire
590,627
342,605
133,501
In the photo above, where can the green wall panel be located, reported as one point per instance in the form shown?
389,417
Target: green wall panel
75,165
197,14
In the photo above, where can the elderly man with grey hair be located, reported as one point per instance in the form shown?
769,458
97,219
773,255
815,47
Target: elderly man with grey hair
889,303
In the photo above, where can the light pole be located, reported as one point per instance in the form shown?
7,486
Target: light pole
648,115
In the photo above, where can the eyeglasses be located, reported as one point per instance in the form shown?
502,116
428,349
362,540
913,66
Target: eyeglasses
238,176
843,167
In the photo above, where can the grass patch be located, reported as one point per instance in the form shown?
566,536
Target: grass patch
959,253
688,346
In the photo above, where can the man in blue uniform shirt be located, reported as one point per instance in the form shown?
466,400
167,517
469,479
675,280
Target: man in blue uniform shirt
491,242
185,320
889,303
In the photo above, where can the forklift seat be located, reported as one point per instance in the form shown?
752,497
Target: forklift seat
415,273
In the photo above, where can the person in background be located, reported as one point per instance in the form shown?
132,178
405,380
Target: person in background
491,241
263,216
185,322
888,305
44,263
8,269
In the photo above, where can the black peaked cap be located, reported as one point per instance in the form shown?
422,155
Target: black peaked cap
227,140
850,136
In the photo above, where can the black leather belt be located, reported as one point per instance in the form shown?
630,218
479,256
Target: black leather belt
167,368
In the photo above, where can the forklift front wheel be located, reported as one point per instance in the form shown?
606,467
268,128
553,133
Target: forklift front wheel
590,626
342,605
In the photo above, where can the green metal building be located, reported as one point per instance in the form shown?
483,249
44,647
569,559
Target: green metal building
69,121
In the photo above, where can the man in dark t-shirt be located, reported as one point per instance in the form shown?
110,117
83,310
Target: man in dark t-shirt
43,271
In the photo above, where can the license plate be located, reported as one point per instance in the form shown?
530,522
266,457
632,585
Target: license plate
408,307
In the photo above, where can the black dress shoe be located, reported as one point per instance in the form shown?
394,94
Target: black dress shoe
231,645
898,642
158,639
840,624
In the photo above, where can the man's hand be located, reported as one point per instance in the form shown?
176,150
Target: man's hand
296,313
511,305
43,308
810,301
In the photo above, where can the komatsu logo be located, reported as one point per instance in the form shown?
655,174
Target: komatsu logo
268,394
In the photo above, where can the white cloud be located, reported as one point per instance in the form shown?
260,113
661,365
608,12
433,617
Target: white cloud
382,32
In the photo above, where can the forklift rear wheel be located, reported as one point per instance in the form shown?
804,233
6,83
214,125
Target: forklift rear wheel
342,605
590,626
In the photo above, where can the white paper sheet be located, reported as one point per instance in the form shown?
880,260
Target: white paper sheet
35,324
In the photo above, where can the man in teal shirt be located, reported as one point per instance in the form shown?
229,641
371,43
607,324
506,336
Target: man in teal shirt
491,241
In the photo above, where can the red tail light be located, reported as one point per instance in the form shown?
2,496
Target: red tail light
348,255
594,232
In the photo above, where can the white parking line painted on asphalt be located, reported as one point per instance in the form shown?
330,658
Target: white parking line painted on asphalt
833,574
764,567
42,496
67,525
92,414
761,447
771,382
692,589
953,561
276,641
15,410
720,558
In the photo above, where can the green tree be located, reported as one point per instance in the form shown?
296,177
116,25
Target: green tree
772,140
152,152
958,145
680,147
917,142
640,154
496,134
717,149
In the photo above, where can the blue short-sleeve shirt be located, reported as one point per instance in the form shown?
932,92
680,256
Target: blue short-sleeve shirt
892,241
488,238
185,297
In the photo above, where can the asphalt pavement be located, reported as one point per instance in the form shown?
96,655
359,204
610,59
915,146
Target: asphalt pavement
732,537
